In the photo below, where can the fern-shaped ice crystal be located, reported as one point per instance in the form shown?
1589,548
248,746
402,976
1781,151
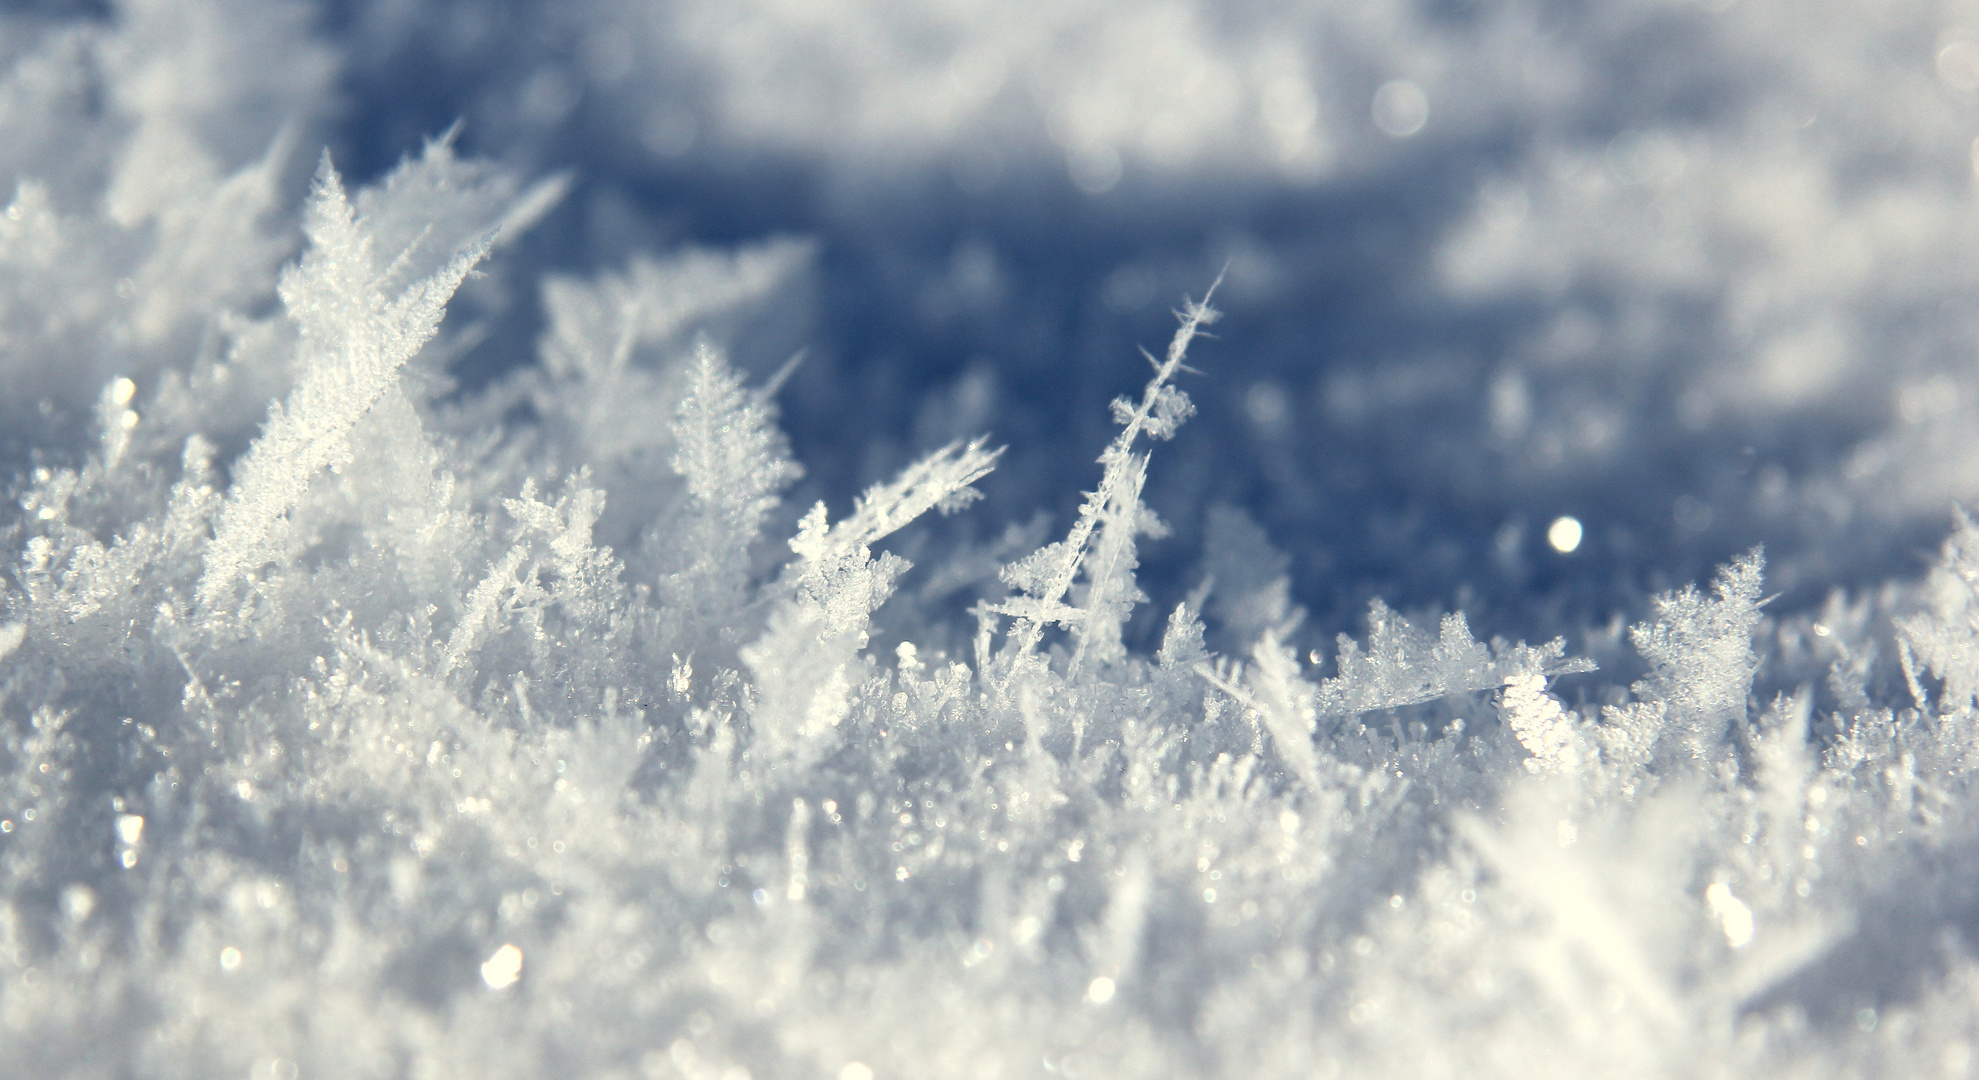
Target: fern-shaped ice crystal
355,338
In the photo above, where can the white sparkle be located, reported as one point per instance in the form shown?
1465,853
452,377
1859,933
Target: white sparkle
501,970
1564,534
1733,914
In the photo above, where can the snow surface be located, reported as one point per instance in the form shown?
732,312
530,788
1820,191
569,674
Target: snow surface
614,539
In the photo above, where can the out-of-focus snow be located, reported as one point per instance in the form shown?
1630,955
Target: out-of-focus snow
1694,272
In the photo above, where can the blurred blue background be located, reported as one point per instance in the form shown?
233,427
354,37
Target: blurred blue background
1698,273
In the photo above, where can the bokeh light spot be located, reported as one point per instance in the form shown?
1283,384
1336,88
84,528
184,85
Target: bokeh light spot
1564,534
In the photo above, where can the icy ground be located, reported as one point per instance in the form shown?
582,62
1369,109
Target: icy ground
601,538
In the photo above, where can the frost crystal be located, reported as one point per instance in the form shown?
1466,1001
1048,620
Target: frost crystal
1543,727
1700,655
355,335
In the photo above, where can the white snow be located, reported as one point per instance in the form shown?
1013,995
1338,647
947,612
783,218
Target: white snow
357,723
